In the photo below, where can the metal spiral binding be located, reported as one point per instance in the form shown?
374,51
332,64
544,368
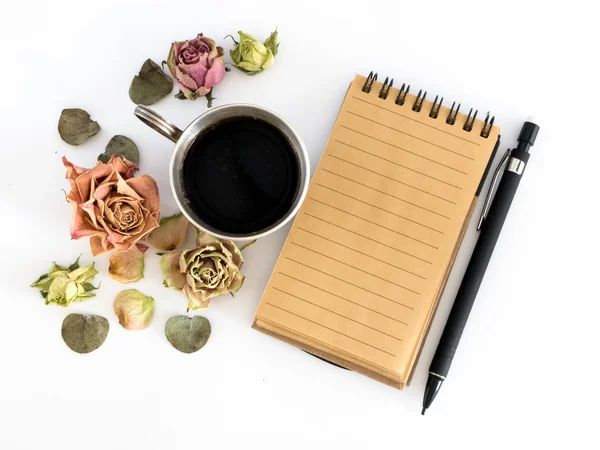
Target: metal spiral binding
369,83
452,114
487,126
419,101
468,126
435,107
402,95
385,89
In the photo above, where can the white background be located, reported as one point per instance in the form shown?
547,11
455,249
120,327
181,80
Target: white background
525,375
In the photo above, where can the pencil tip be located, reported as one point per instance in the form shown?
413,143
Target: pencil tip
423,411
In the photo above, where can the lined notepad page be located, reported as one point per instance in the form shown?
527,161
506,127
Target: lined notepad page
361,270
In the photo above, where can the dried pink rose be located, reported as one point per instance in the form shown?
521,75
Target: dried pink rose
197,65
110,206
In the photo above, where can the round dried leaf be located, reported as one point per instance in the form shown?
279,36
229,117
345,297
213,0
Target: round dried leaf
187,334
121,146
150,85
75,126
84,333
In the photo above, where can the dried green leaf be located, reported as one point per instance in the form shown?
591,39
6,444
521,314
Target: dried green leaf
134,310
121,146
75,126
187,334
87,287
272,43
84,333
150,85
75,265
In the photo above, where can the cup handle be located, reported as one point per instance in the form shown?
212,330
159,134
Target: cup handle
158,123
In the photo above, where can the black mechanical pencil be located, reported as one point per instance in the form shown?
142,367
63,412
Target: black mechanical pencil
490,224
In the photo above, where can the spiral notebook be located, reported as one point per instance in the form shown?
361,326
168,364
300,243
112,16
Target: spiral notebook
361,272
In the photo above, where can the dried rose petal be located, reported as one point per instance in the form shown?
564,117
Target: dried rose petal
134,310
128,267
170,234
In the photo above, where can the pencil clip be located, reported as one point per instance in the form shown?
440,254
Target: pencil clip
492,190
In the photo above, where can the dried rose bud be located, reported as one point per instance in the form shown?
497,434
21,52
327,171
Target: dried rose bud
198,65
134,310
251,56
64,285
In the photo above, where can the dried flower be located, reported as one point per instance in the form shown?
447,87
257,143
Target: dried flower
252,57
134,310
210,269
64,285
198,65
110,206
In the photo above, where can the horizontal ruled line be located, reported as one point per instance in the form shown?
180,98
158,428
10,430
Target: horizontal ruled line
337,314
392,179
382,226
406,151
330,329
355,268
389,195
394,162
418,121
412,136
343,298
362,253
351,284
361,235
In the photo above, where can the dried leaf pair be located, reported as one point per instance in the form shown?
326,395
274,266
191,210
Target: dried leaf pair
85,333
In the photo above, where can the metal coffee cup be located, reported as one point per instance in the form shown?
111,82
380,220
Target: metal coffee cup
184,139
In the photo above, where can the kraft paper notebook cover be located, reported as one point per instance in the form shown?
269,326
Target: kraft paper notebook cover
367,258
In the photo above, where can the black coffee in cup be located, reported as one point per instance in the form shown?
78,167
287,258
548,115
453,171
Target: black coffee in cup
241,175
